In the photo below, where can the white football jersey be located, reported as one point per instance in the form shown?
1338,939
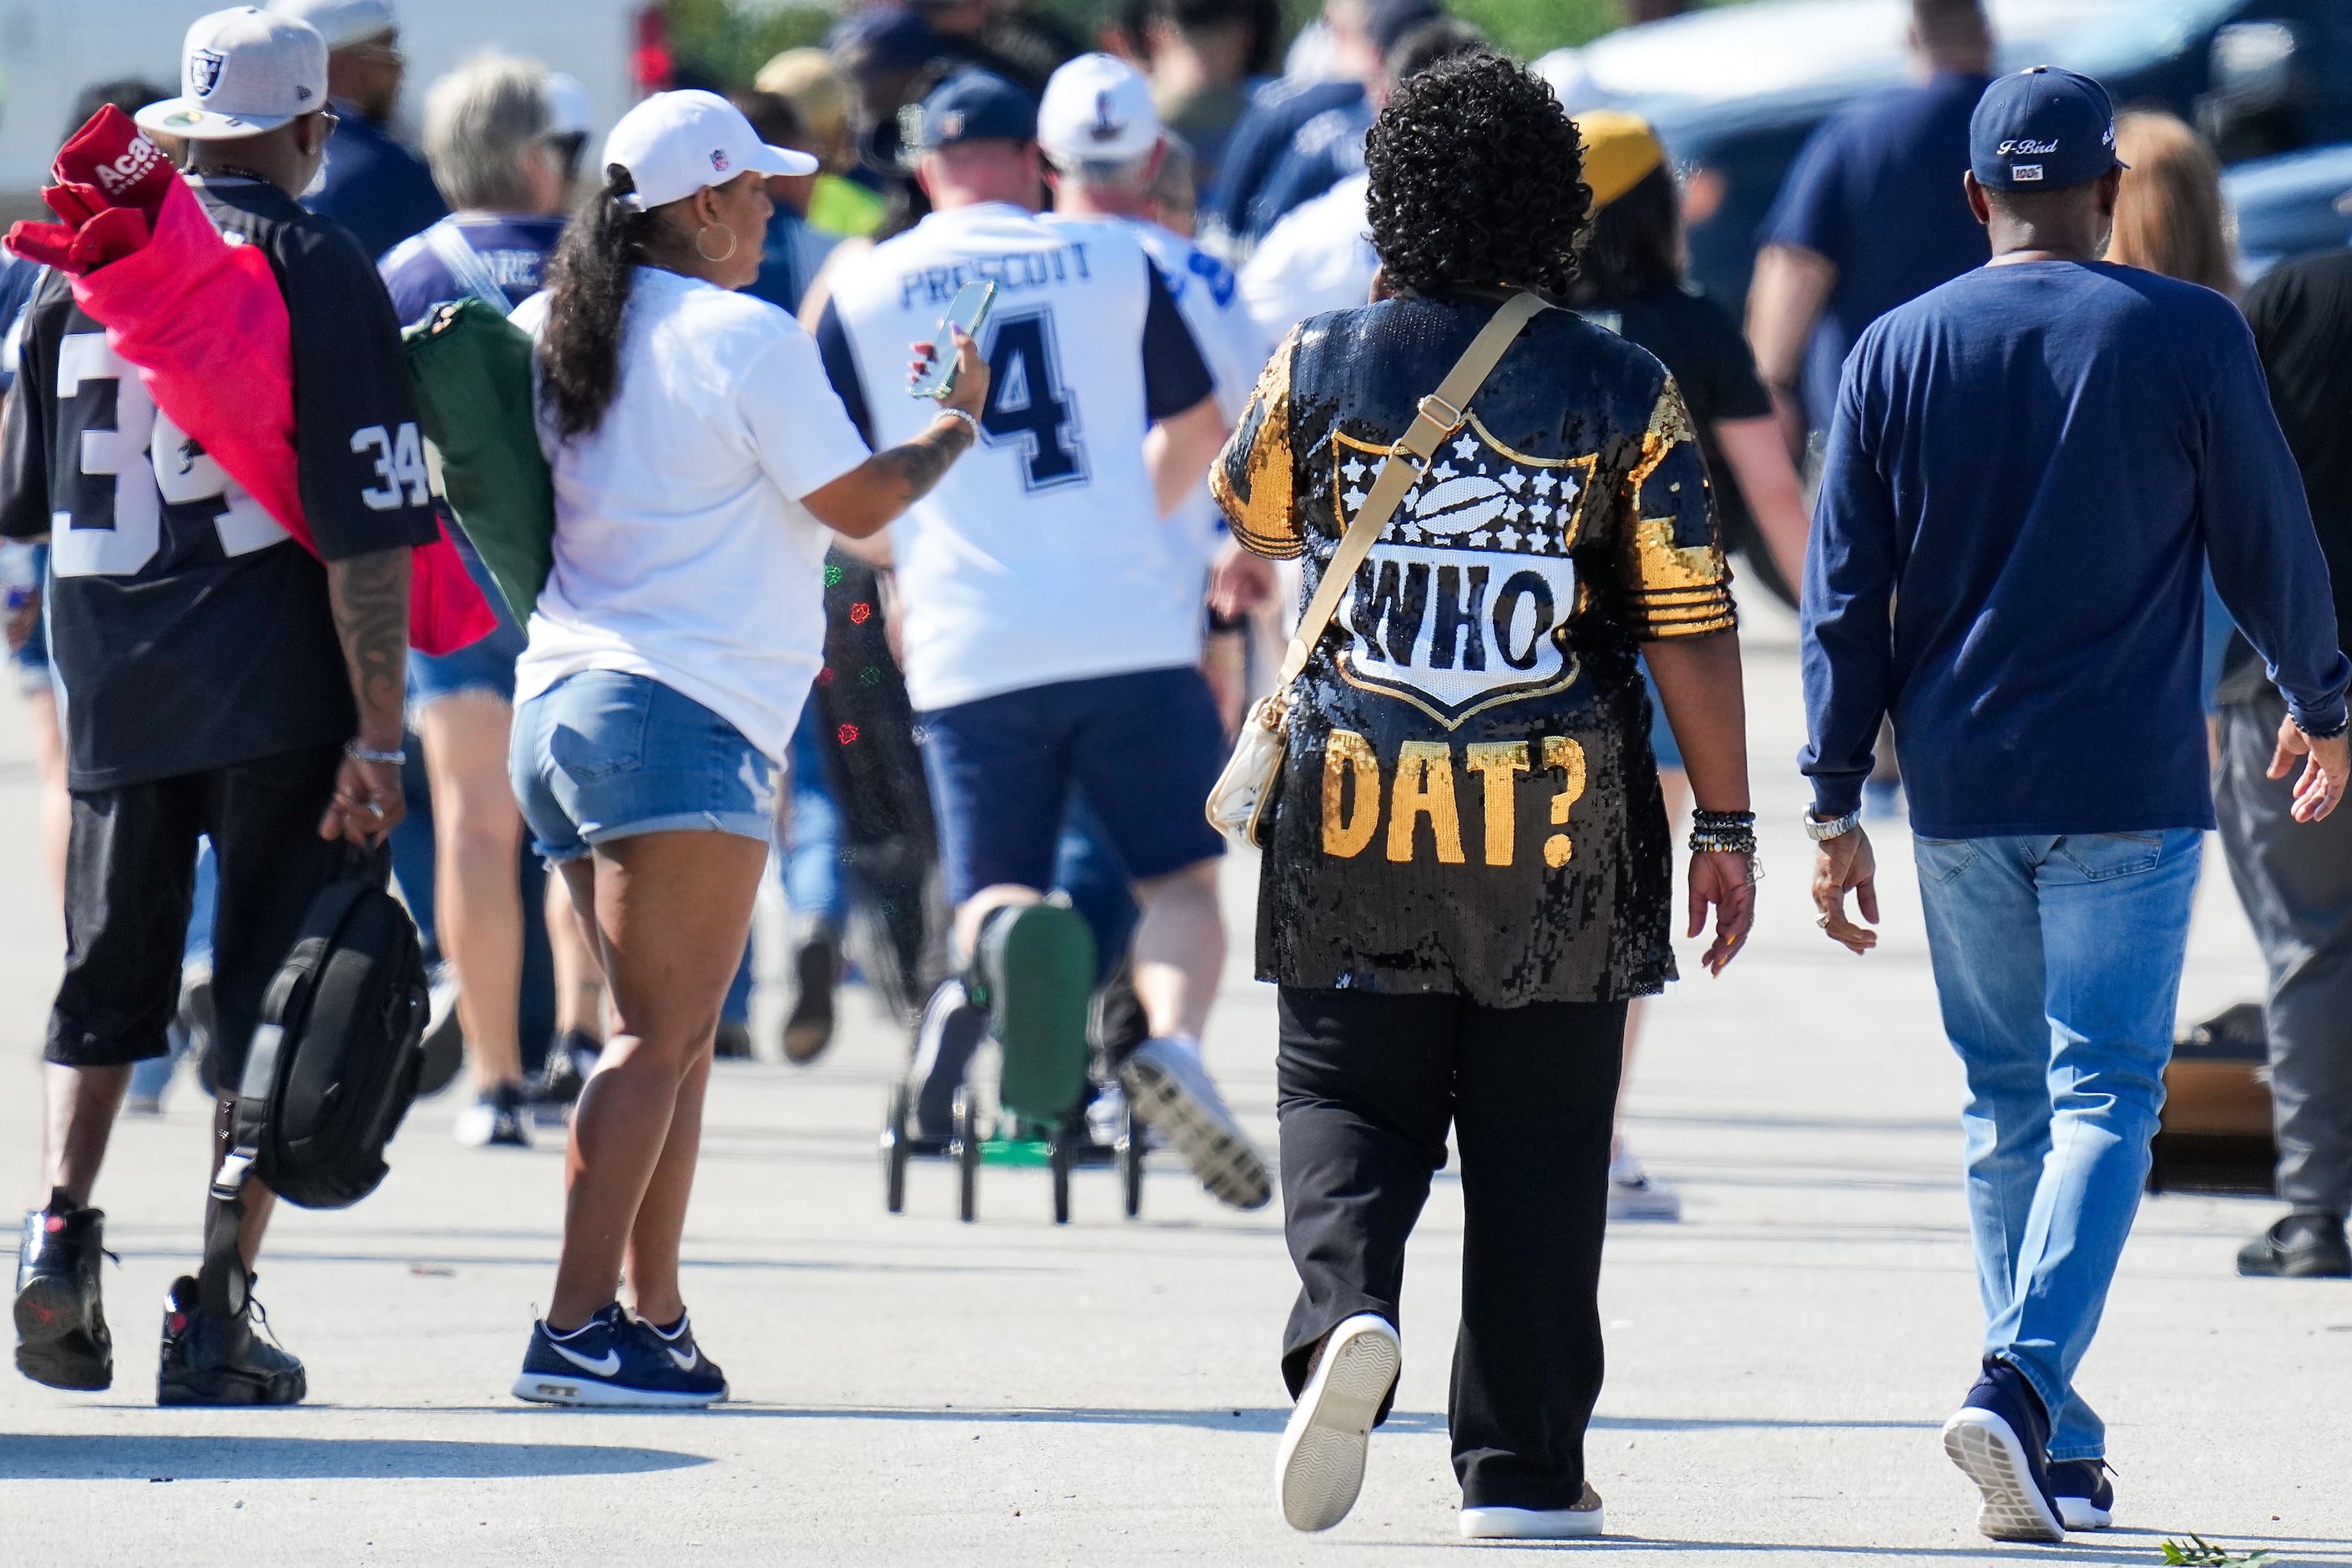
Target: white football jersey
1041,556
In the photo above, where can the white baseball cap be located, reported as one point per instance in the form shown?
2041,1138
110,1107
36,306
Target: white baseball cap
675,144
343,23
571,111
1097,110
242,72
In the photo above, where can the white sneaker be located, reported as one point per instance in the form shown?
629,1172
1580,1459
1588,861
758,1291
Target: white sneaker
1635,1194
1171,1089
1320,1467
1535,1523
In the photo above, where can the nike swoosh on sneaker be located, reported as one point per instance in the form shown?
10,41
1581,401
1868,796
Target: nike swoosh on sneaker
686,1363
603,1366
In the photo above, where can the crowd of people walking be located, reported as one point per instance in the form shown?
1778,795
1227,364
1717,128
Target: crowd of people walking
1358,421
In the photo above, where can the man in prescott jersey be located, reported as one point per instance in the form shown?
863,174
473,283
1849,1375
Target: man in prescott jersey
1052,621
216,679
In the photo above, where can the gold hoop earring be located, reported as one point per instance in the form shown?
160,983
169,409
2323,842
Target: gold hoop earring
705,228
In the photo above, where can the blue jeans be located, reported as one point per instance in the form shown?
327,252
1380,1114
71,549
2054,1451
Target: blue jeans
812,858
2057,965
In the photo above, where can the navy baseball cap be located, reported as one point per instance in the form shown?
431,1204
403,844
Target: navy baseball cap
2042,130
971,106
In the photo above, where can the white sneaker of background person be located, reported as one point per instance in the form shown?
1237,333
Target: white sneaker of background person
1635,1194
1170,1087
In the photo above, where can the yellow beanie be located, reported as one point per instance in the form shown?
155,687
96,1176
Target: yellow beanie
1620,151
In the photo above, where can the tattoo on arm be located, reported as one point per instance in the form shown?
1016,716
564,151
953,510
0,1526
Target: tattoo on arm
370,596
916,465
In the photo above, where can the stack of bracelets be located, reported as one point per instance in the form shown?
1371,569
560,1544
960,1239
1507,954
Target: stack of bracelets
1726,833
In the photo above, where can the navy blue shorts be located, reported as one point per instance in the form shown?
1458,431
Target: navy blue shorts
1145,747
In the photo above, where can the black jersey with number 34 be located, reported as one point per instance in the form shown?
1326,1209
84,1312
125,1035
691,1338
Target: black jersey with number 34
188,630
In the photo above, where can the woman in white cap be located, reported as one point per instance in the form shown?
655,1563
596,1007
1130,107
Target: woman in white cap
699,456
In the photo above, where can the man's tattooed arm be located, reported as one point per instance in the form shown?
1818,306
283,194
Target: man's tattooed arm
370,596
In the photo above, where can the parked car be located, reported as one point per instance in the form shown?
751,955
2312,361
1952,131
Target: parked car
2291,205
1734,92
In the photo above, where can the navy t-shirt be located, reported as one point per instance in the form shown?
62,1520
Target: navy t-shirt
374,186
1877,191
513,250
2029,470
1294,135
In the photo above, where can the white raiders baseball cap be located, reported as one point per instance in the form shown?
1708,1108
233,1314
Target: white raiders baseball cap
1097,109
242,72
675,144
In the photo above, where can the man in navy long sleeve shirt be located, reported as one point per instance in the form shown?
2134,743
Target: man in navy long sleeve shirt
2026,471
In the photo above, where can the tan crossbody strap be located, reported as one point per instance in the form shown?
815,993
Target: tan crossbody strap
1440,416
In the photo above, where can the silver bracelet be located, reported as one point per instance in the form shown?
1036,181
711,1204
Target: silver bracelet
360,753
1821,832
965,414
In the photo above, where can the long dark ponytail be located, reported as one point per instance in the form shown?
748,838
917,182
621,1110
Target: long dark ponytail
589,284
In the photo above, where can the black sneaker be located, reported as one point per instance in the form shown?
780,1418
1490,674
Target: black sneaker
676,1341
734,1042
612,1359
61,1337
2306,1244
2085,1498
2000,1439
569,1060
495,1119
945,1042
816,970
444,1045
209,1360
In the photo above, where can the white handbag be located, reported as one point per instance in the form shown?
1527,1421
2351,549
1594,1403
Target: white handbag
1242,801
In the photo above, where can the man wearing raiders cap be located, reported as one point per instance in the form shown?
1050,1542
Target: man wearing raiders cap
2029,471
215,677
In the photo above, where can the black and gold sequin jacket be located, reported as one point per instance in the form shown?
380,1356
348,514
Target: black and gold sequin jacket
1469,804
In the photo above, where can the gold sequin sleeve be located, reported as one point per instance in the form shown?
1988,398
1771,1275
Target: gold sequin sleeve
1670,561
1255,478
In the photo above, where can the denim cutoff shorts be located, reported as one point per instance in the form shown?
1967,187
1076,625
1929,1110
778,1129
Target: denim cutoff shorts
485,665
601,755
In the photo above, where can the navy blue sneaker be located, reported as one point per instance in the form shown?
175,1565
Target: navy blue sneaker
612,1358
2000,1438
2085,1498
676,1341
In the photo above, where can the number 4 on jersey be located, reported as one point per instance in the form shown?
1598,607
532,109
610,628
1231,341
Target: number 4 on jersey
1027,403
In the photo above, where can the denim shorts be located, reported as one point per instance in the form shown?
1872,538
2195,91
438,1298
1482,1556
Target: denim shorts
601,755
488,666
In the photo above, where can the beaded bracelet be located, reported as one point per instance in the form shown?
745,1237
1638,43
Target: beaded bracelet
1723,833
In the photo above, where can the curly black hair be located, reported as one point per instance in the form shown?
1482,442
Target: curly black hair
1475,181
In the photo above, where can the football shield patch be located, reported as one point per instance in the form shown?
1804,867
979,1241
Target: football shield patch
1457,607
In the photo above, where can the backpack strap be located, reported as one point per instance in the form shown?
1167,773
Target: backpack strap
467,266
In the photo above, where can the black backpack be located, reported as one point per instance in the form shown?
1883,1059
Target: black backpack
333,1064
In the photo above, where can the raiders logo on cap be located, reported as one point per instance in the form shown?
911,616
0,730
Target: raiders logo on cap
203,70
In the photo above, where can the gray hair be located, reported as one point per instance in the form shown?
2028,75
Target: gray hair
1125,175
480,121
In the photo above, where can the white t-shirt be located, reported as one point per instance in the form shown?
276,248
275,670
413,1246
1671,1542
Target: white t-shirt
1040,557
1318,258
682,552
1210,298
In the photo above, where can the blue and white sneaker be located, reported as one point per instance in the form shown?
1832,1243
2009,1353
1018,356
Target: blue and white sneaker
2085,1498
2000,1439
612,1359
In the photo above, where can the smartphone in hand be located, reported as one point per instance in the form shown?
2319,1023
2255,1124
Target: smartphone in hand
967,312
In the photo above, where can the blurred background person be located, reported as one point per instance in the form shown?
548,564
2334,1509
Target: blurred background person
795,248
2169,215
1870,215
503,161
820,100
2295,879
1302,137
372,184
1629,278
1318,256
1204,58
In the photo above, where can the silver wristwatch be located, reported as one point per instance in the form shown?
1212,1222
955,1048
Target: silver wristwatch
1836,828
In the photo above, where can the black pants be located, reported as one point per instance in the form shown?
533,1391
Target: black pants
1368,1087
2295,881
129,882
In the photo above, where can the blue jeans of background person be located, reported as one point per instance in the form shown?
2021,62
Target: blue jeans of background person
2057,965
813,849
151,1078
